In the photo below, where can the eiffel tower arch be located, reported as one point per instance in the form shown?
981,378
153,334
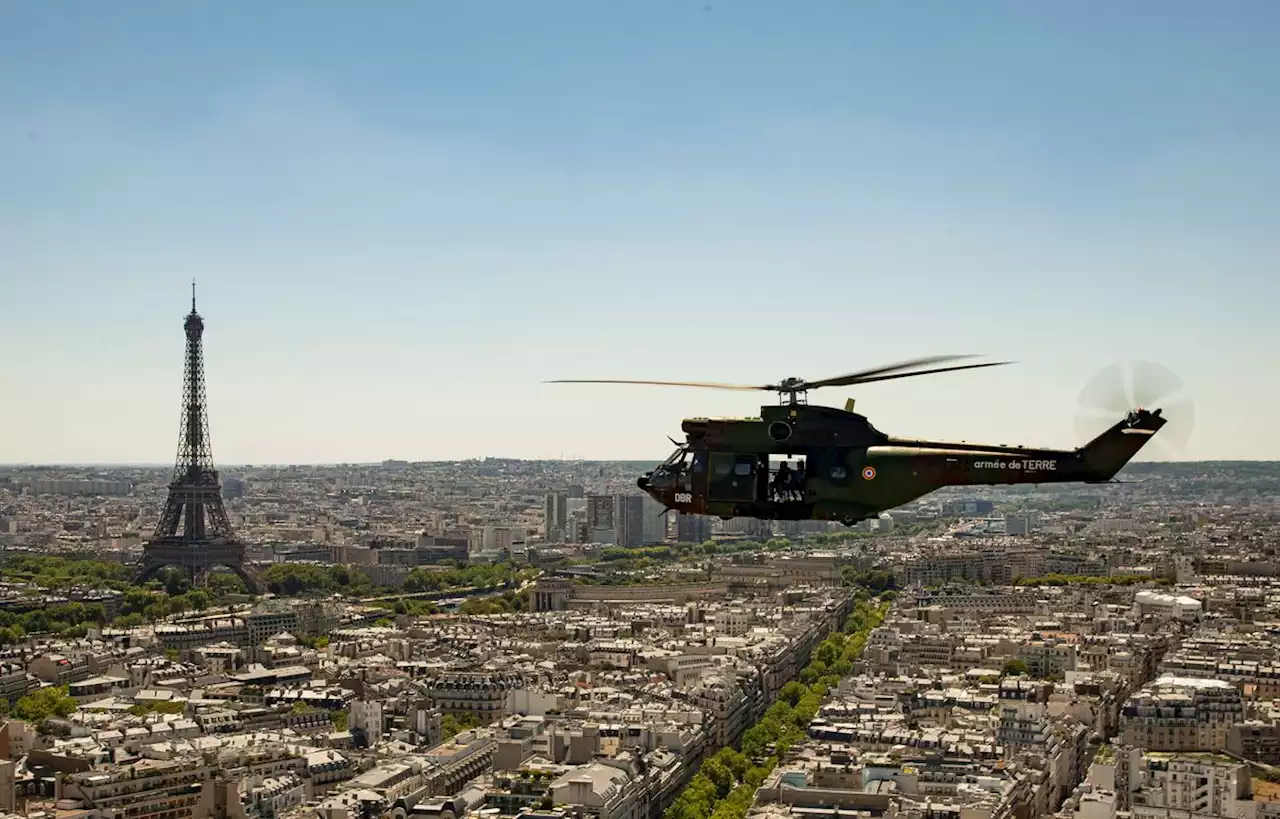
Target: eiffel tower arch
194,532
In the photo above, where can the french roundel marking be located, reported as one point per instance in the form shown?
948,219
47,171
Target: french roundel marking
869,473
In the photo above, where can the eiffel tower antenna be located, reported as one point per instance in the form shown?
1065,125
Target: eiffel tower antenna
194,532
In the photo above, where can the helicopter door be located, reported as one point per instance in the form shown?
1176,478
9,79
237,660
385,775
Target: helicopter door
698,478
733,477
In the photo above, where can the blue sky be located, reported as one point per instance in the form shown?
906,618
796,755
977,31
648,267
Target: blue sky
403,216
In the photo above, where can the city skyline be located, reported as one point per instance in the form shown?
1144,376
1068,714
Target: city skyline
404,219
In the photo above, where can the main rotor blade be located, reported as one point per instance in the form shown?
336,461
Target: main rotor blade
853,378
706,384
850,379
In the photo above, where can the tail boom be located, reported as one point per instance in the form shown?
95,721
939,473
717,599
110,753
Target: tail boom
966,464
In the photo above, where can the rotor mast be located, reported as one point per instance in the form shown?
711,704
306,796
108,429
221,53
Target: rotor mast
793,391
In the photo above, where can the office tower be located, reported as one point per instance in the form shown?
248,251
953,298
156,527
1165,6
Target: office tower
628,520
555,510
655,520
692,528
600,523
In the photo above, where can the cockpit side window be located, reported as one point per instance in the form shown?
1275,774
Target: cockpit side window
700,461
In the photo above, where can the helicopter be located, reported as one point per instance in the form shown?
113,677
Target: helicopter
852,471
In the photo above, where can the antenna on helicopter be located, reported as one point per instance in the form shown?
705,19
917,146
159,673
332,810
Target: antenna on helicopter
794,390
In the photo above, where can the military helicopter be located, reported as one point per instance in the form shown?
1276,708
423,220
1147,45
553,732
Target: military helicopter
850,471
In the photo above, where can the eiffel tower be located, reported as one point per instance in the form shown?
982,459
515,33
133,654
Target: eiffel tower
194,532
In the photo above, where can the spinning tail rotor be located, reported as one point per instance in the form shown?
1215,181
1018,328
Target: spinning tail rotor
1128,385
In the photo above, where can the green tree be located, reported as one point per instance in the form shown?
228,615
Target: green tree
1013,668
725,786
175,581
39,706
791,693
157,707
220,584
720,775
451,725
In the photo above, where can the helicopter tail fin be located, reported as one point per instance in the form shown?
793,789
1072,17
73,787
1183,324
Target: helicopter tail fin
1107,454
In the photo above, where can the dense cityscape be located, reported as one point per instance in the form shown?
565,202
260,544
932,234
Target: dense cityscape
503,638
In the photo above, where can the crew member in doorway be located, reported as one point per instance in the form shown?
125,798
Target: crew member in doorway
782,482
797,482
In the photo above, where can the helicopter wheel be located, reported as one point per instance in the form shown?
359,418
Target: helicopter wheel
851,521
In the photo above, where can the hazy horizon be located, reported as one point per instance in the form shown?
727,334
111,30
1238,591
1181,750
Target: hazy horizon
230,466
404,217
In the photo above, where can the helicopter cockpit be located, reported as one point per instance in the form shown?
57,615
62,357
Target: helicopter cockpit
675,474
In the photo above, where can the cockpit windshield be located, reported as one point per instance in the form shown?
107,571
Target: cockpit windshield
676,457
676,471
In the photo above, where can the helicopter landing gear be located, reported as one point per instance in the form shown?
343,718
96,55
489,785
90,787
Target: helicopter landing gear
851,521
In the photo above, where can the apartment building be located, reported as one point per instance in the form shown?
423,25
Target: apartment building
1182,714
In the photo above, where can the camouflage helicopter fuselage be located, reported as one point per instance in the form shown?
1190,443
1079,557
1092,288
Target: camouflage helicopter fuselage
853,470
